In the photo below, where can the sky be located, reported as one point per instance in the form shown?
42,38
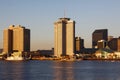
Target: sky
39,16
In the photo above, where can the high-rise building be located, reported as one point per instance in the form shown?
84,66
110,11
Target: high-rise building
100,34
16,38
64,37
79,44
7,40
114,44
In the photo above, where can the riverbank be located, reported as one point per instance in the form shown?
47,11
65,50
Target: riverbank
68,59
72,59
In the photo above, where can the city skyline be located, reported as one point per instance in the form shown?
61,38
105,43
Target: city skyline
39,17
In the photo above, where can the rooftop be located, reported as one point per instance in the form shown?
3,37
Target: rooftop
100,30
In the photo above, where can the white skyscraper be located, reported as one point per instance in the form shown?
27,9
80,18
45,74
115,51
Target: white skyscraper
64,37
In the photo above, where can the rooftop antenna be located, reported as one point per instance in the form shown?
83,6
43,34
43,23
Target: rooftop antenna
64,13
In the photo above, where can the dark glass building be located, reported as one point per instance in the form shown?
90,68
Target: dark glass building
97,35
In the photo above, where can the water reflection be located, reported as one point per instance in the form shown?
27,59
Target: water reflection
56,70
86,70
12,71
63,71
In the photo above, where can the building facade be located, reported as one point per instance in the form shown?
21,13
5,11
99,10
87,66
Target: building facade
110,38
64,37
101,44
114,44
100,34
79,44
16,38
7,40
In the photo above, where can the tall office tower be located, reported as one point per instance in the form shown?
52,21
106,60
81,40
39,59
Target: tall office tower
101,34
16,38
79,44
64,37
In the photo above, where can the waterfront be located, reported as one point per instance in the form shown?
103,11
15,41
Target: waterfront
57,70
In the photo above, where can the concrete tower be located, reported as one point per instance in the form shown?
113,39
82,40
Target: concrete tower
7,40
16,38
64,37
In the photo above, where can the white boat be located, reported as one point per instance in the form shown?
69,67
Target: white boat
16,56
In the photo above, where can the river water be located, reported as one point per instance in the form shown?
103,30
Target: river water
56,70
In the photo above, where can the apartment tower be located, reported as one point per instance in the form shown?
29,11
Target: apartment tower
64,37
16,38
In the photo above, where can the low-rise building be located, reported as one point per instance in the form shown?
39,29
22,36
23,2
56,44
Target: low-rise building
105,53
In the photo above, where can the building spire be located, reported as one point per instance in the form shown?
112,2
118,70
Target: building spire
64,13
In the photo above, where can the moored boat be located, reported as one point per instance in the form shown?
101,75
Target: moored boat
16,56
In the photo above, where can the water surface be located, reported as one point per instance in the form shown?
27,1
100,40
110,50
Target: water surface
56,70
